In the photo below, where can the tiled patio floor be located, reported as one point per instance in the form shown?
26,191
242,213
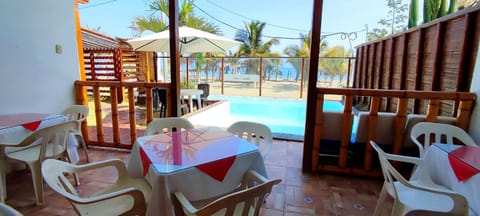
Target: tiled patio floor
298,193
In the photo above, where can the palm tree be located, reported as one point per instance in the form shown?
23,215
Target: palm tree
334,67
186,16
251,37
299,51
270,65
252,44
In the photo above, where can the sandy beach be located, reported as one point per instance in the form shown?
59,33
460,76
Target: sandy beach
275,89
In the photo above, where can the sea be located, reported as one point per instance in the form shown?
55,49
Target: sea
285,72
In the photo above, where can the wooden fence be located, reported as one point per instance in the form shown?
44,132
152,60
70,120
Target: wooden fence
118,128
437,56
396,129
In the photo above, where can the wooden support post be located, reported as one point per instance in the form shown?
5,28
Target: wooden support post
187,81
371,131
98,114
81,99
223,74
115,117
437,60
433,110
149,104
317,135
261,75
131,115
312,83
301,79
346,131
400,121
464,113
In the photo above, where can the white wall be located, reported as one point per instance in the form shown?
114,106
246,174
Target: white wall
474,129
33,77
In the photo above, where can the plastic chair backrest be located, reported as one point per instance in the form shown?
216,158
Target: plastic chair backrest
390,174
54,171
160,99
438,133
242,202
206,89
51,139
161,125
78,113
422,191
254,132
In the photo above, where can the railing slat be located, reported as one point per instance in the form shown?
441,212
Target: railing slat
400,121
114,86
131,115
346,131
98,114
318,131
372,126
115,117
433,110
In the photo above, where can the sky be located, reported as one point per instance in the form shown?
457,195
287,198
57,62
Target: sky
284,18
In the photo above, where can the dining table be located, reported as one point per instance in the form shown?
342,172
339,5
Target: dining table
16,127
190,93
201,163
456,167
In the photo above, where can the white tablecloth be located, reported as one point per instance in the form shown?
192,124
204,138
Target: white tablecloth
195,184
14,135
441,172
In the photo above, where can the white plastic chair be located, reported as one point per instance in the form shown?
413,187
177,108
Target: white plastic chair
45,143
410,197
127,196
254,132
161,125
78,113
442,133
6,210
247,200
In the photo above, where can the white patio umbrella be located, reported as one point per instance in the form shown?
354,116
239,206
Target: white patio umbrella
191,41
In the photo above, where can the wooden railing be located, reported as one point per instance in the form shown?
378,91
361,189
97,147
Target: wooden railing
115,87
436,56
403,97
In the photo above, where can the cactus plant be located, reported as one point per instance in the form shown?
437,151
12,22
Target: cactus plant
452,7
443,9
433,9
413,14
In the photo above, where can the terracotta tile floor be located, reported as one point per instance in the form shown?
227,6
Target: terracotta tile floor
298,193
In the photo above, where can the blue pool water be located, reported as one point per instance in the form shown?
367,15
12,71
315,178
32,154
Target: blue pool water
284,116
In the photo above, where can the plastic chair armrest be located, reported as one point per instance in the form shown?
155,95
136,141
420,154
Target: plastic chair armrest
460,202
184,203
118,164
253,176
406,159
131,191
419,145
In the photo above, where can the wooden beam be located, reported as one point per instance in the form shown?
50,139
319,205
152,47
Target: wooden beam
466,50
418,67
78,32
312,84
174,57
380,64
437,61
403,65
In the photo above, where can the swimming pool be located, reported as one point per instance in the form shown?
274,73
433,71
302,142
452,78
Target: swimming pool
283,116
